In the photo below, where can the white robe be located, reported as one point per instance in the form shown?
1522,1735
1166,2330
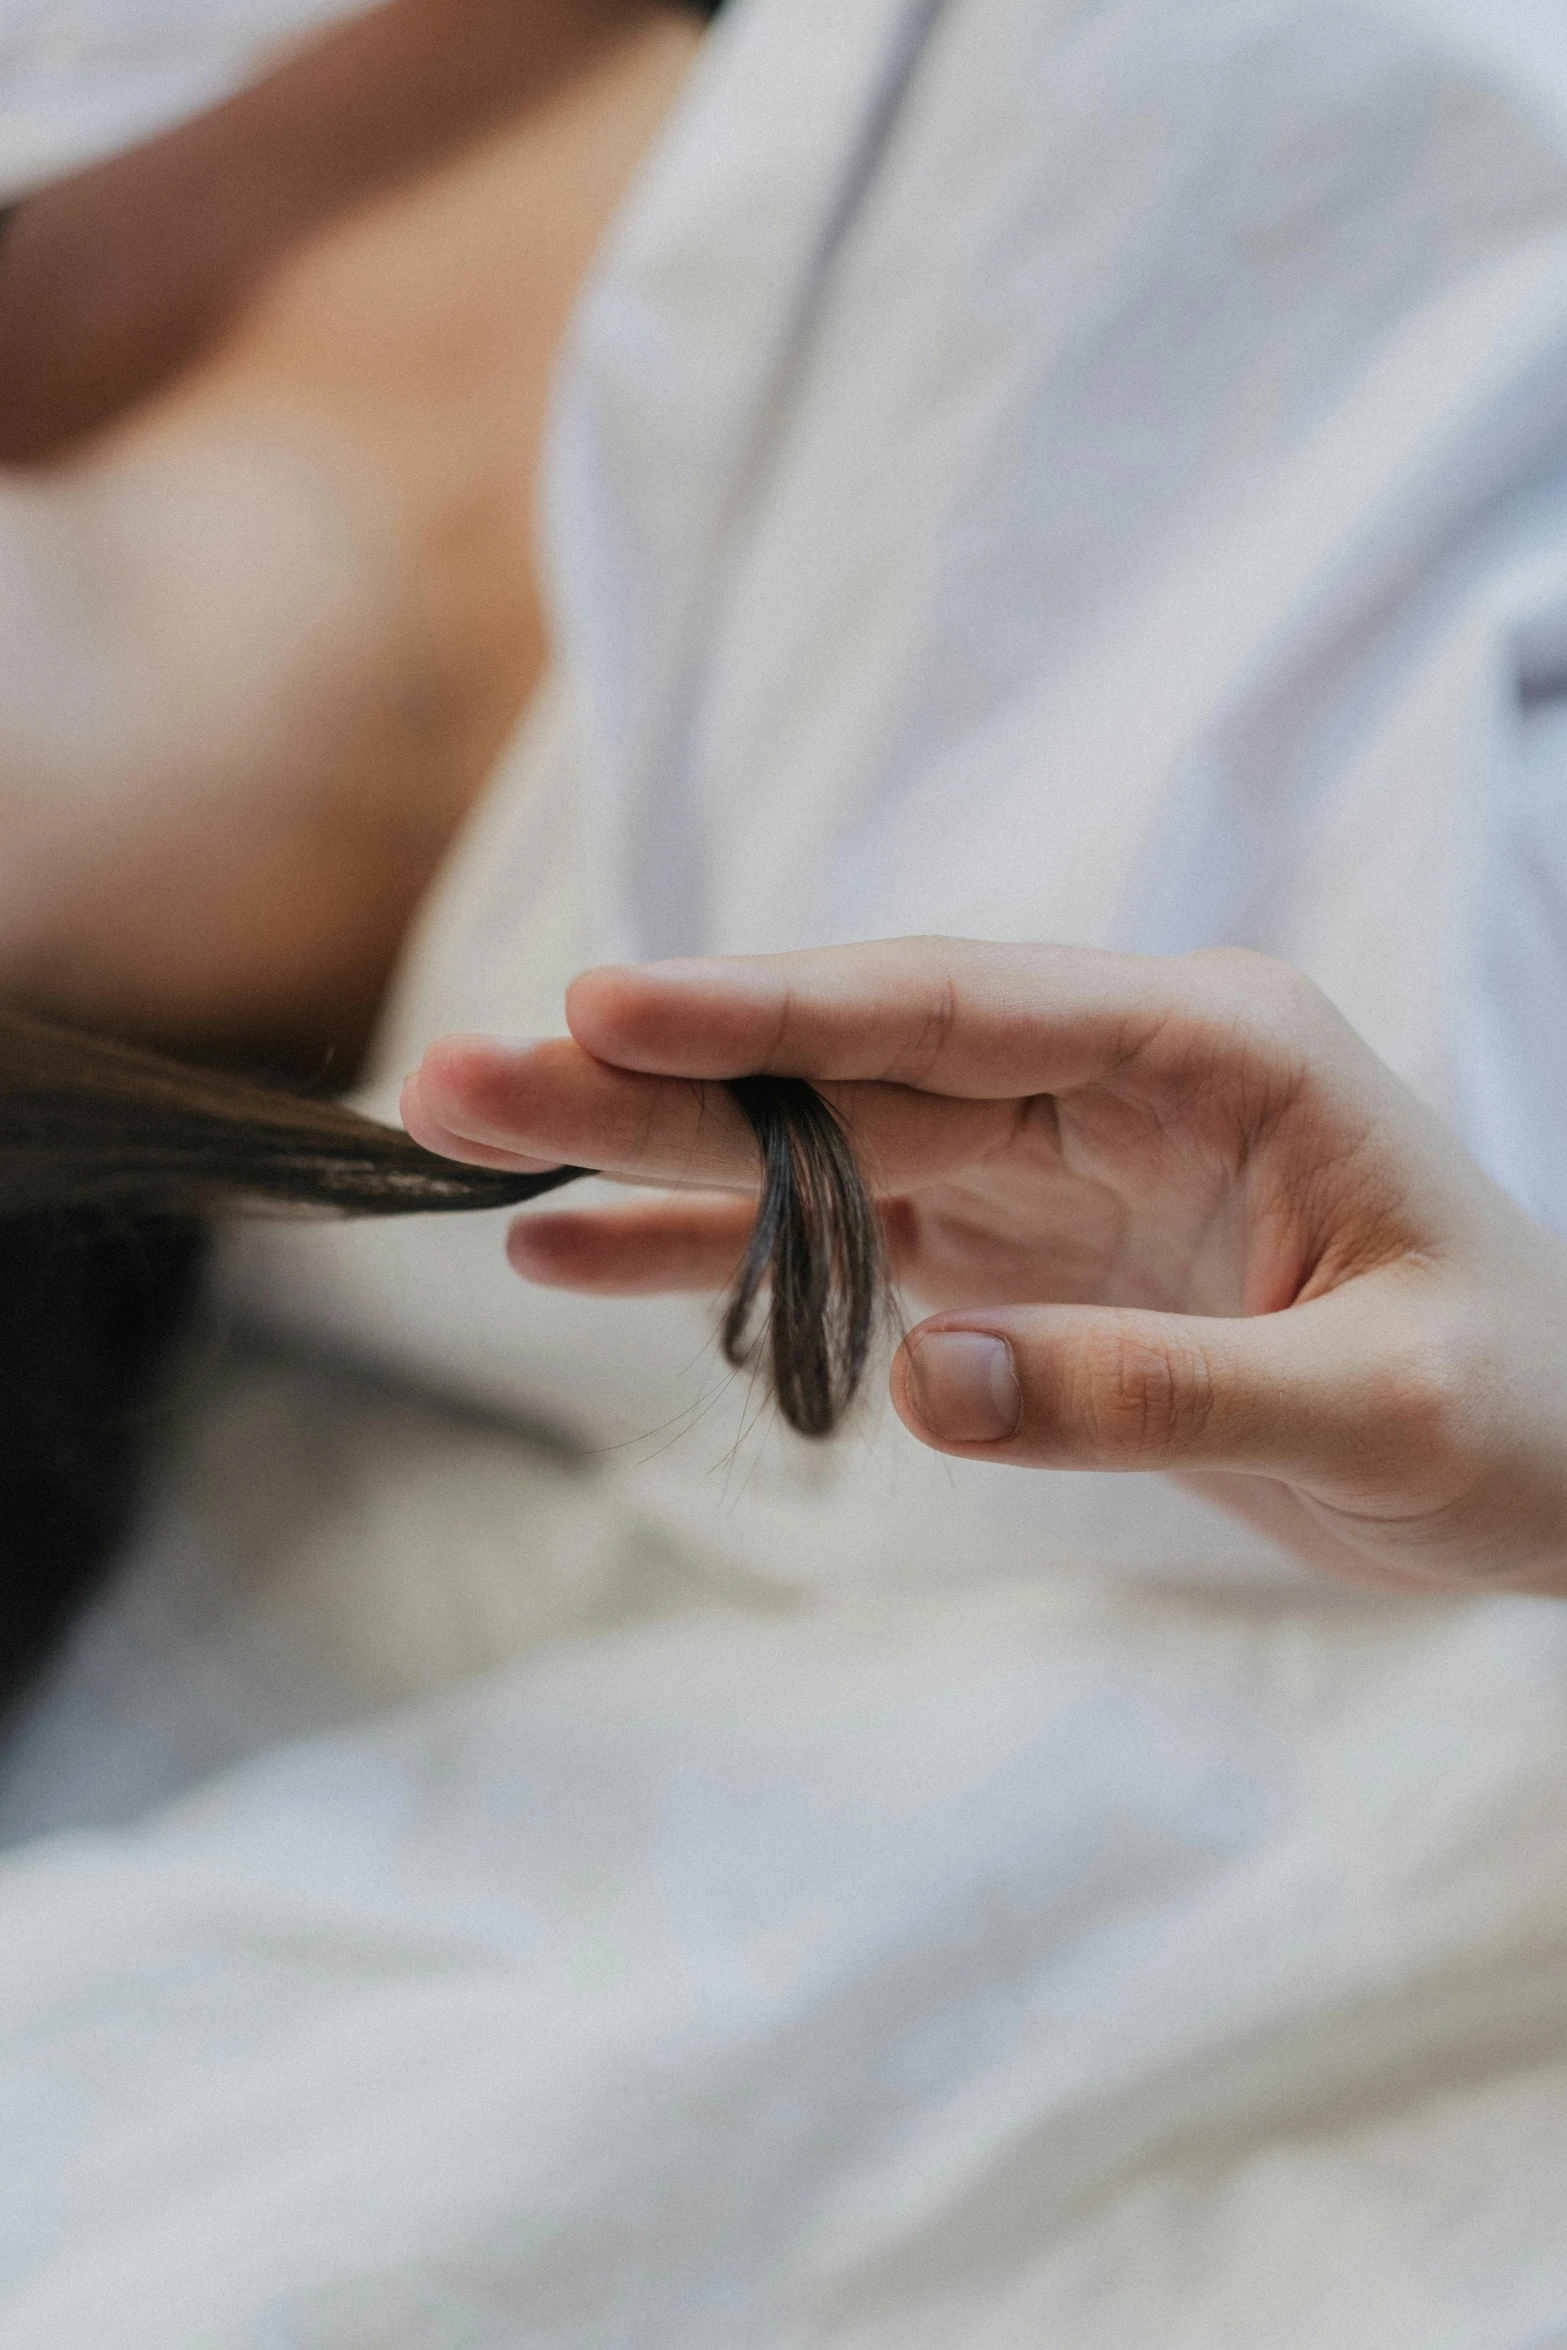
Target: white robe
1082,471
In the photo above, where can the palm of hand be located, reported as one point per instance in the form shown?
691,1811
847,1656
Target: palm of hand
1193,1185
1175,1188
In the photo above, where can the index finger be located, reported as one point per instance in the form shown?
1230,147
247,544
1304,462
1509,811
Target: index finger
953,1016
510,1103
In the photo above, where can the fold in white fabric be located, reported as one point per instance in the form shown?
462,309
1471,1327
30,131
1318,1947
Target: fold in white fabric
81,79
1092,471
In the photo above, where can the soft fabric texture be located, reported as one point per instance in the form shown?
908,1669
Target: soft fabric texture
1082,471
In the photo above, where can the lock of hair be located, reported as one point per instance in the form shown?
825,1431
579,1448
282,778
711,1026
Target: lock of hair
816,1246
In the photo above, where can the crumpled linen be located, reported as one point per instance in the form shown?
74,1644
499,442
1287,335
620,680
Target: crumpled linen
996,1968
1093,472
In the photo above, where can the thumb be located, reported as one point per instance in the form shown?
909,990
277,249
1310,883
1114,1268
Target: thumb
1077,1387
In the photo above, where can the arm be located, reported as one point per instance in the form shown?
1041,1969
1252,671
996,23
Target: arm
114,277
1173,1215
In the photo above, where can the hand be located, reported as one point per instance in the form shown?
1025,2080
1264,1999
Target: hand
1177,1216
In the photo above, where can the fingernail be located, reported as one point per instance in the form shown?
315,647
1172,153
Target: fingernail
963,1385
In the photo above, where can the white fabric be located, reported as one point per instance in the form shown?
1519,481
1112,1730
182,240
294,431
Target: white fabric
81,79
1091,471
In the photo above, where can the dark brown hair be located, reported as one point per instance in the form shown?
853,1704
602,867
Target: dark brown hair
112,1161
816,1247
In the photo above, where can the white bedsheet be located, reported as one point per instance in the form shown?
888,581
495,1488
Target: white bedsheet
1091,471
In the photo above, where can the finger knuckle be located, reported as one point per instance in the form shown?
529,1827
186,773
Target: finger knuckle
935,1019
1142,1396
1267,997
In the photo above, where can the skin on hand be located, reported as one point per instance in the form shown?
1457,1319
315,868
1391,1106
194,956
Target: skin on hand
1173,1212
